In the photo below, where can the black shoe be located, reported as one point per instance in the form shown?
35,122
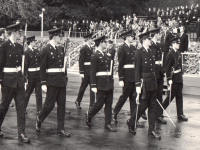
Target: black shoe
130,128
63,133
78,105
155,135
115,118
110,128
1,134
88,121
139,125
144,116
182,118
38,125
161,120
23,138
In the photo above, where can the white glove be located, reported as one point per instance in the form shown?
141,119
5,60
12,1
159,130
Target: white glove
170,82
82,75
94,90
44,88
138,90
121,83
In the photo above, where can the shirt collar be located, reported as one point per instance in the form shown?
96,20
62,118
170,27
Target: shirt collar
127,44
52,44
11,40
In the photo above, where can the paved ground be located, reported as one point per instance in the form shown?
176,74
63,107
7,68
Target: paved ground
186,136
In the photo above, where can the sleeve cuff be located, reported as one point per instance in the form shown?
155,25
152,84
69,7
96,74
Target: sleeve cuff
44,82
138,84
169,78
121,78
93,85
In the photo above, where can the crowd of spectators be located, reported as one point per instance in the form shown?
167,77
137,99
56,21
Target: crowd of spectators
155,17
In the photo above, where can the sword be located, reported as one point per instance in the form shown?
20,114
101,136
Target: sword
137,105
170,90
65,51
23,55
166,113
95,96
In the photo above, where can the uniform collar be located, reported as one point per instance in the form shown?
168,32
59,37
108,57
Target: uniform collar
87,44
30,47
154,42
181,34
100,51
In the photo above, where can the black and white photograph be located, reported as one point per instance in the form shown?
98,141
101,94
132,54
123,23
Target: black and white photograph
99,74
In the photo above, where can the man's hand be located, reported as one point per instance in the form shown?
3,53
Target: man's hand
82,75
94,90
170,82
44,88
121,83
138,90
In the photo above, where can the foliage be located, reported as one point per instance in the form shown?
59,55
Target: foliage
29,10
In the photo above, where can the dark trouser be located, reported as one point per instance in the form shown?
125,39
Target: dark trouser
55,94
103,97
84,84
152,105
38,94
128,92
18,94
177,93
160,91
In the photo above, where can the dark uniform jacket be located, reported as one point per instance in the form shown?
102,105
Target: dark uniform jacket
11,57
198,29
145,69
126,56
84,59
1,42
101,63
184,43
174,64
157,50
32,60
52,58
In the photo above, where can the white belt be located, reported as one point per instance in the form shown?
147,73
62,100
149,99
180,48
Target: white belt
17,69
54,70
129,66
87,63
33,69
158,62
177,71
103,74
